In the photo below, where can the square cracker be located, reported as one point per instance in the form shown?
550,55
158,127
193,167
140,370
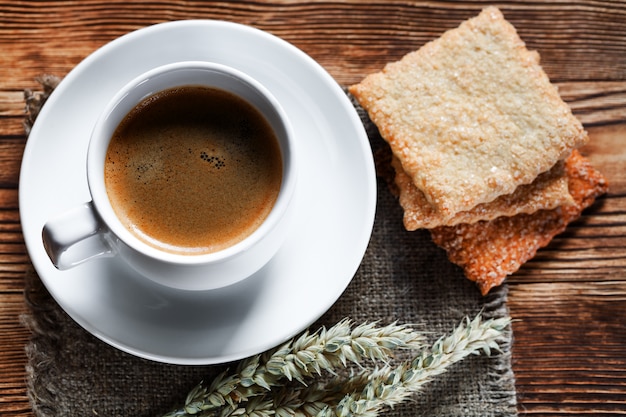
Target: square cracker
548,191
471,115
489,251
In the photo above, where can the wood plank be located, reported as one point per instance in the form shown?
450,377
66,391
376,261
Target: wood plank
595,103
569,350
11,151
375,33
13,337
12,103
9,204
14,260
607,150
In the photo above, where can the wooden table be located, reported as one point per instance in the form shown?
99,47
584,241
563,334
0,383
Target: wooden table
569,303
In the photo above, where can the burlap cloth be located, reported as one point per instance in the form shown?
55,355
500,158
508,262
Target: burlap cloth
404,277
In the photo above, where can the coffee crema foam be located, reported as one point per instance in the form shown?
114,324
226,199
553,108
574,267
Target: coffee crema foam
193,170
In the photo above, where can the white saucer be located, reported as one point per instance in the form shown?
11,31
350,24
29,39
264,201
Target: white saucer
336,201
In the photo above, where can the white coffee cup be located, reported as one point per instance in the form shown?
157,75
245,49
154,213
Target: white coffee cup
92,230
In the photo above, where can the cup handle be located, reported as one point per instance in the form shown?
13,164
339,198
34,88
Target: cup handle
76,236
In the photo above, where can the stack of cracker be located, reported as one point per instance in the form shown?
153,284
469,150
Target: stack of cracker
484,148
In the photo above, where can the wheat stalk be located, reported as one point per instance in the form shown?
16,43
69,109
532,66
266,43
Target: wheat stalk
390,386
302,358
363,394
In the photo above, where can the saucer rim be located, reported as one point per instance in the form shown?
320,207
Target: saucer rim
33,244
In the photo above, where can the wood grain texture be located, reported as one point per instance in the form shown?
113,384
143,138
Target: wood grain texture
578,365
569,302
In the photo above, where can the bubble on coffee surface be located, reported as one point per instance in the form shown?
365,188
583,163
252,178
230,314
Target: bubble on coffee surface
216,161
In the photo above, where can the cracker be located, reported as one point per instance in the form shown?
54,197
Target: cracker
471,115
489,251
548,191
